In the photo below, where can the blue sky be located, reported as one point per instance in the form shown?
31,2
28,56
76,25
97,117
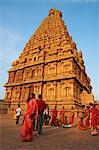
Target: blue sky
20,18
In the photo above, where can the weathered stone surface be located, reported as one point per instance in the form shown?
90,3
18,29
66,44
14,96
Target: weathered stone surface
49,64
86,98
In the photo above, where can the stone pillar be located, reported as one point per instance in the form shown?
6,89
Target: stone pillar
8,94
22,97
26,92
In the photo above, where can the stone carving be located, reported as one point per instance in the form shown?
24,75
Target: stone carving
11,77
18,76
51,65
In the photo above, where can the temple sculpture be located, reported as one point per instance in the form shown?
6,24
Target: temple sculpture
51,65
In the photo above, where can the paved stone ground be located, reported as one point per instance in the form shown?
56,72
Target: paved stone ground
53,138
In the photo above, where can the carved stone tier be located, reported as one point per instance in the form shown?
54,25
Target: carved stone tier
51,65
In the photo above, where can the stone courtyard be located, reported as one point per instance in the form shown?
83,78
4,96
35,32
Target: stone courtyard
53,138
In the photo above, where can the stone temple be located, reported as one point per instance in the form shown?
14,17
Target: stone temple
51,65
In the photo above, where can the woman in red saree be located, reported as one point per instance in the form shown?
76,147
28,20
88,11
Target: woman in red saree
71,119
81,125
62,116
54,116
94,120
97,115
27,127
87,117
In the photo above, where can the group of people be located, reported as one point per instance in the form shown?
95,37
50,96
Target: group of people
89,118
38,113
60,119
33,118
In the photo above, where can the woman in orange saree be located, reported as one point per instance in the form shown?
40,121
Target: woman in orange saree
54,116
81,125
27,127
62,116
71,119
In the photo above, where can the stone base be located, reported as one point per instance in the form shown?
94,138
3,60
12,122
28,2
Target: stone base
4,107
11,109
67,105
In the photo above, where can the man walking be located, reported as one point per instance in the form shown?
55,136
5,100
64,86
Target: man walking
41,107
18,113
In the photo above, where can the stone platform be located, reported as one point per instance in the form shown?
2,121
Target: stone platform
51,139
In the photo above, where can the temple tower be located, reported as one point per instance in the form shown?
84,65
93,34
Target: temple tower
51,65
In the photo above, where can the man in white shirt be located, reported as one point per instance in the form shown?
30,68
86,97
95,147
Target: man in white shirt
18,113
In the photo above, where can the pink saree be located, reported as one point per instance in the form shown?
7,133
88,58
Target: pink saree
27,127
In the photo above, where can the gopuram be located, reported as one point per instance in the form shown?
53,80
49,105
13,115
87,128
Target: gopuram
51,65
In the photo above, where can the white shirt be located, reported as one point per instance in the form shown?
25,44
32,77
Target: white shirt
45,112
18,111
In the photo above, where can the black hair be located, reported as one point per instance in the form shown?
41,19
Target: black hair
28,99
33,95
83,106
40,96
18,105
88,106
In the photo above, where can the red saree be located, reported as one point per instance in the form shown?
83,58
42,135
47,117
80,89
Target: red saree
81,125
62,116
71,121
87,120
94,117
54,116
27,127
97,115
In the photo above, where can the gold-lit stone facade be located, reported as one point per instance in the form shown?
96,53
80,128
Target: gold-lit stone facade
51,65
86,98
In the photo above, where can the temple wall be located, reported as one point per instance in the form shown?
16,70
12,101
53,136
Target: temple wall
51,65
61,91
